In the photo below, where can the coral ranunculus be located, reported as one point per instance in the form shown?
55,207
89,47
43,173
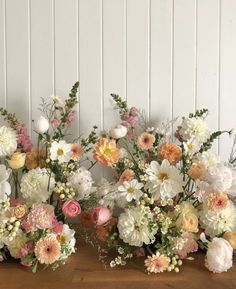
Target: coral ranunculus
170,152
106,152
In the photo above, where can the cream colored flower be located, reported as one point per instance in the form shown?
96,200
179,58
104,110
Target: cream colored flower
17,160
8,143
60,151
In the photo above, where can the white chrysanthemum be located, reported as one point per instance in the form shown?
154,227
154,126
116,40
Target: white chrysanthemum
34,186
82,182
207,159
219,256
131,190
134,229
60,151
165,180
194,128
8,142
218,222
5,188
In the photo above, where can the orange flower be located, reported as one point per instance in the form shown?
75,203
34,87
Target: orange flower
47,250
170,152
104,230
231,238
196,171
217,201
157,263
146,141
106,152
35,158
127,175
76,152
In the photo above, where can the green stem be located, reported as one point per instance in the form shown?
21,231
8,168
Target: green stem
15,178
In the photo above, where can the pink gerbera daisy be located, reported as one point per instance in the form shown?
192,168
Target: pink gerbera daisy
47,250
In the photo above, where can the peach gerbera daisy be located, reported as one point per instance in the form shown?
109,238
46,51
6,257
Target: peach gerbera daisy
35,158
146,141
217,201
170,152
157,263
126,176
106,152
47,250
76,152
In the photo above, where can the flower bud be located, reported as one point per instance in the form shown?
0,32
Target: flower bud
41,125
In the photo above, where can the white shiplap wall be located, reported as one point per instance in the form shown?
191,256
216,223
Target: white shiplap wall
168,57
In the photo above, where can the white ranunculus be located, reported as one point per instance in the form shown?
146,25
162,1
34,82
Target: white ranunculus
82,182
118,131
219,255
34,186
41,125
5,188
133,227
165,181
8,141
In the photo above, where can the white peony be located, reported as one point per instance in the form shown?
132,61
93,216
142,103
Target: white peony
34,186
165,181
41,125
118,131
133,226
82,182
218,222
131,190
5,188
60,151
194,128
8,141
219,255
207,159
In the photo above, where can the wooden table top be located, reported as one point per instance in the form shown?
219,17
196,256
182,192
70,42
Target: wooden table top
84,271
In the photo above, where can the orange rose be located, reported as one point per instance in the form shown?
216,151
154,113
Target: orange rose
127,175
170,152
106,152
196,171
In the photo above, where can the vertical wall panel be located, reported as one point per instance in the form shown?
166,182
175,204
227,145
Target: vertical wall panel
184,57
114,49
66,50
90,56
2,56
208,60
227,72
17,37
161,60
138,53
41,53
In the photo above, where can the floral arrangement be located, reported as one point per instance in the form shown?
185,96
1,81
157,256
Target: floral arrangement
42,186
173,195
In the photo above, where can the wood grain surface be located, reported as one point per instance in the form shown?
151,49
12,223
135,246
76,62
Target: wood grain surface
84,271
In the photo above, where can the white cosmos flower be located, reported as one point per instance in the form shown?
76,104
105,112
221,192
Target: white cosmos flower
134,227
60,151
131,190
34,186
8,143
165,180
194,128
218,222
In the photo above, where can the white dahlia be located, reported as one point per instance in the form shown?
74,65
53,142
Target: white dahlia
165,181
134,229
217,222
34,186
194,128
82,182
8,142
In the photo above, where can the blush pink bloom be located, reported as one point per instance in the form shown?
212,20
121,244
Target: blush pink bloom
23,252
70,117
55,121
41,217
23,140
58,228
71,208
26,225
101,215
190,245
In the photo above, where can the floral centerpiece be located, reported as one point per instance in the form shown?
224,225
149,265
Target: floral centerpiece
173,194
42,186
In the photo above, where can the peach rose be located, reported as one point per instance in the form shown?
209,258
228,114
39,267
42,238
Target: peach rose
231,238
188,223
71,208
196,171
170,152
17,160
127,175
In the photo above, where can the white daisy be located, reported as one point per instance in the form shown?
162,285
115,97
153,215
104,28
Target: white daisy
60,151
131,190
8,143
165,181
134,229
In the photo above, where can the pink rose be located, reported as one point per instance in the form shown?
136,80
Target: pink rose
71,208
58,228
101,215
